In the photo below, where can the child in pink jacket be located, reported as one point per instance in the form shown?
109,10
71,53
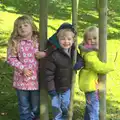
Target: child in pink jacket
22,47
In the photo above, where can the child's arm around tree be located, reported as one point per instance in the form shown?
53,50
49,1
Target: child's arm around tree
96,65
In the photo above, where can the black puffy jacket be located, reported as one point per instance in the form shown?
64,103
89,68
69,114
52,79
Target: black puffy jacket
58,71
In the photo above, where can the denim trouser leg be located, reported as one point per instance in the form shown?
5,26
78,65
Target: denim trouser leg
24,105
27,106
57,112
86,114
65,101
92,106
35,103
60,104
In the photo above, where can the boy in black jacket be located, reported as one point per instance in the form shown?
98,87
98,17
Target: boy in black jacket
58,72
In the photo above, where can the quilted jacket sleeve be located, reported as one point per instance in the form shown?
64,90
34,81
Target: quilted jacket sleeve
93,63
50,68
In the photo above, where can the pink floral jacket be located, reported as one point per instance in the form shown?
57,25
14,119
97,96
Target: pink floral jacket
24,59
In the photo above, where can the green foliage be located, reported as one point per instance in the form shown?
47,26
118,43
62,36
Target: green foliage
8,97
61,9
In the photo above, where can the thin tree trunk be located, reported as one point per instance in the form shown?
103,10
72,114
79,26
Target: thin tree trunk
102,54
97,5
74,22
43,40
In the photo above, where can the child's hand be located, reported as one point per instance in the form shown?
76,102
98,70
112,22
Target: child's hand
40,54
27,72
52,93
78,65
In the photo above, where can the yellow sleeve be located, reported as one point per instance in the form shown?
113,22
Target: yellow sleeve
92,62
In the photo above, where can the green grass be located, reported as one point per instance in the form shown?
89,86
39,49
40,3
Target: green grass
87,16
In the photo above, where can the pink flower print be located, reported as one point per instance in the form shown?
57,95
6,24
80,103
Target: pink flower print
26,79
21,67
31,60
26,48
33,77
28,44
23,43
22,49
25,60
17,64
29,55
24,55
13,63
30,66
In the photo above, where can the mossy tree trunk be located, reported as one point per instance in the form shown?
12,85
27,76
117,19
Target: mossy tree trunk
43,39
74,22
102,54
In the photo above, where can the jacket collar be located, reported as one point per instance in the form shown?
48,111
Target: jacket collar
84,48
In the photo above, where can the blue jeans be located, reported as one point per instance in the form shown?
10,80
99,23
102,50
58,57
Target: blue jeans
60,105
29,103
92,106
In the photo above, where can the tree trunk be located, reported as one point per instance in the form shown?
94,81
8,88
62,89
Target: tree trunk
97,5
43,39
74,22
102,54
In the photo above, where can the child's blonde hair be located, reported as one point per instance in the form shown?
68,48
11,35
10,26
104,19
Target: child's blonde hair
91,31
63,31
15,37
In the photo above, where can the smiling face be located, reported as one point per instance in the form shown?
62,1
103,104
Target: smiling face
92,38
65,38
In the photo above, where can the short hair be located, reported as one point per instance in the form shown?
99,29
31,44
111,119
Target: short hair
63,31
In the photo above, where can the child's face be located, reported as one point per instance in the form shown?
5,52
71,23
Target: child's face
66,40
25,30
92,40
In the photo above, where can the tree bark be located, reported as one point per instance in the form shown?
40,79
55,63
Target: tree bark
43,39
102,54
74,22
